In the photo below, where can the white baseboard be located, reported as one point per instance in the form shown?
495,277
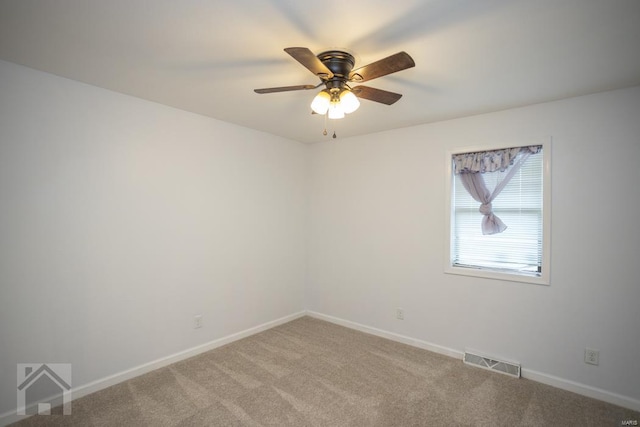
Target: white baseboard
389,335
582,389
561,383
102,383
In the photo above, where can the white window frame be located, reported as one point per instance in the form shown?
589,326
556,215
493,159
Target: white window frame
545,276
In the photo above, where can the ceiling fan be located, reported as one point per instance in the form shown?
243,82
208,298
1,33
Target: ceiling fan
335,70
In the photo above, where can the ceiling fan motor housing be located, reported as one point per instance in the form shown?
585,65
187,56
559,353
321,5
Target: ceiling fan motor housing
340,63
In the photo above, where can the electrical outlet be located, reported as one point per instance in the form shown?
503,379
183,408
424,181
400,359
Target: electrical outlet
197,321
399,313
591,356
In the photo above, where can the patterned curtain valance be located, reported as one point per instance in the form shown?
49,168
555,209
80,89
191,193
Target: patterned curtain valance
490,161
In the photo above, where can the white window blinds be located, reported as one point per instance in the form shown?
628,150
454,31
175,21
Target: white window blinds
518,249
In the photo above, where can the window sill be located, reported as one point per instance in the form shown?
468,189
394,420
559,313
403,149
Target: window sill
498,275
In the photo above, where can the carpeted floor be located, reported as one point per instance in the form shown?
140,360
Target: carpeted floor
312,373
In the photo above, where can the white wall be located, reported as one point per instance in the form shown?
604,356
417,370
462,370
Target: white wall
377,233
121,219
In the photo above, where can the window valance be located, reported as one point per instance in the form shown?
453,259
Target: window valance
490,161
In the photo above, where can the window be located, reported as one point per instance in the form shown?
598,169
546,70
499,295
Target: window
498,213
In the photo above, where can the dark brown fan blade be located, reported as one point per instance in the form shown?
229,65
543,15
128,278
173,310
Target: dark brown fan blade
377,95
391,64
310,61
284,88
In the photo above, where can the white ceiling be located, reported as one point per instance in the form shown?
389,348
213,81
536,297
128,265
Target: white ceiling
207,56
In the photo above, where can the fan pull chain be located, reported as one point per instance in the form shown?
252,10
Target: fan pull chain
334,131
324,132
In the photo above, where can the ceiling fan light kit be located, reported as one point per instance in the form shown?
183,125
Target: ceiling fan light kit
334,68
335,102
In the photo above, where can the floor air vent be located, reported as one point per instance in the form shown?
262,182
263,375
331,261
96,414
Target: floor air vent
508,368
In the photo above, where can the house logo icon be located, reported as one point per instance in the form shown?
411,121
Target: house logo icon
42,386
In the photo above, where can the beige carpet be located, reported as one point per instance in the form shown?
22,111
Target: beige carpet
312,373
